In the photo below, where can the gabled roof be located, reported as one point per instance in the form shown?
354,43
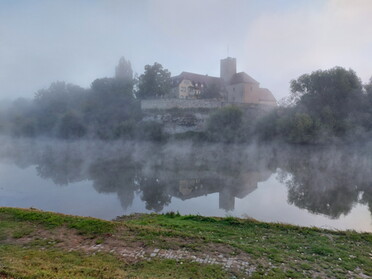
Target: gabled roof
205,79
242,78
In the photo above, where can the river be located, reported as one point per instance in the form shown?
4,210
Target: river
308,186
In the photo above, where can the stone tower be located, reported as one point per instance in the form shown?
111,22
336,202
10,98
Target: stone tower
228,69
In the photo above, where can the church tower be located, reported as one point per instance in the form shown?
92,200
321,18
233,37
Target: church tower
227,69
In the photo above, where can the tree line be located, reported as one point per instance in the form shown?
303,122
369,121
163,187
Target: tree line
324,107
109,109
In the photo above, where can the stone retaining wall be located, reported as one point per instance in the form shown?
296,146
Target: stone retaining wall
180,103
165,104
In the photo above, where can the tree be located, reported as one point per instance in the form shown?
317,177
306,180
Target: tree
333,100
59,97
337,88
52,103
71,126
111,102
368,87
155,82
367,116
225,124
124,70
302,128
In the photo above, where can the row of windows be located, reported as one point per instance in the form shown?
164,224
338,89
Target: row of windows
190,89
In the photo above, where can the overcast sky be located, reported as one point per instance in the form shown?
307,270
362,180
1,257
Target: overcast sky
274,41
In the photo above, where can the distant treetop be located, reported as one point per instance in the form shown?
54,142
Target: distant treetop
124,70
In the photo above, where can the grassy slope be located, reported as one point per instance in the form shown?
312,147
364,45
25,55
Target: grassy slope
277,251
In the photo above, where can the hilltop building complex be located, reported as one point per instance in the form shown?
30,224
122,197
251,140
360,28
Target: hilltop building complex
231,87
193,97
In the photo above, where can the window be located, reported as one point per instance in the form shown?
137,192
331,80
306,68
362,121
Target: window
234,89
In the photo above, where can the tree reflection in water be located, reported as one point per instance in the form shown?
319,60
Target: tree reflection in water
326,181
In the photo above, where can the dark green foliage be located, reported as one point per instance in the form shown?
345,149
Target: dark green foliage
173,214
126,129
333,98
327,106
71,126
111,102
224,125
150,130
338,89
191,135
200,218
52,103
154,83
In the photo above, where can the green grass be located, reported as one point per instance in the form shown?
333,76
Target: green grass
14,229
275,250
173,269
31,263
83,225
292,249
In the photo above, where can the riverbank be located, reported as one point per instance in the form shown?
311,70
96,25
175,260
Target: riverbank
36,244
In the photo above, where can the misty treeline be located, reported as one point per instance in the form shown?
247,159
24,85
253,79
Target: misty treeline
109,109
324,107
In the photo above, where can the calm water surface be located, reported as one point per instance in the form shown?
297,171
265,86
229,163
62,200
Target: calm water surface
329,188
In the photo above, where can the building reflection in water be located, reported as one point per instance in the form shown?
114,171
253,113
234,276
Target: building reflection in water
328,181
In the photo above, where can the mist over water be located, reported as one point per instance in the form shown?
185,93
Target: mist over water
324,187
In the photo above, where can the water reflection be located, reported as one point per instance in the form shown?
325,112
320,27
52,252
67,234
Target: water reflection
327,181
165,174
